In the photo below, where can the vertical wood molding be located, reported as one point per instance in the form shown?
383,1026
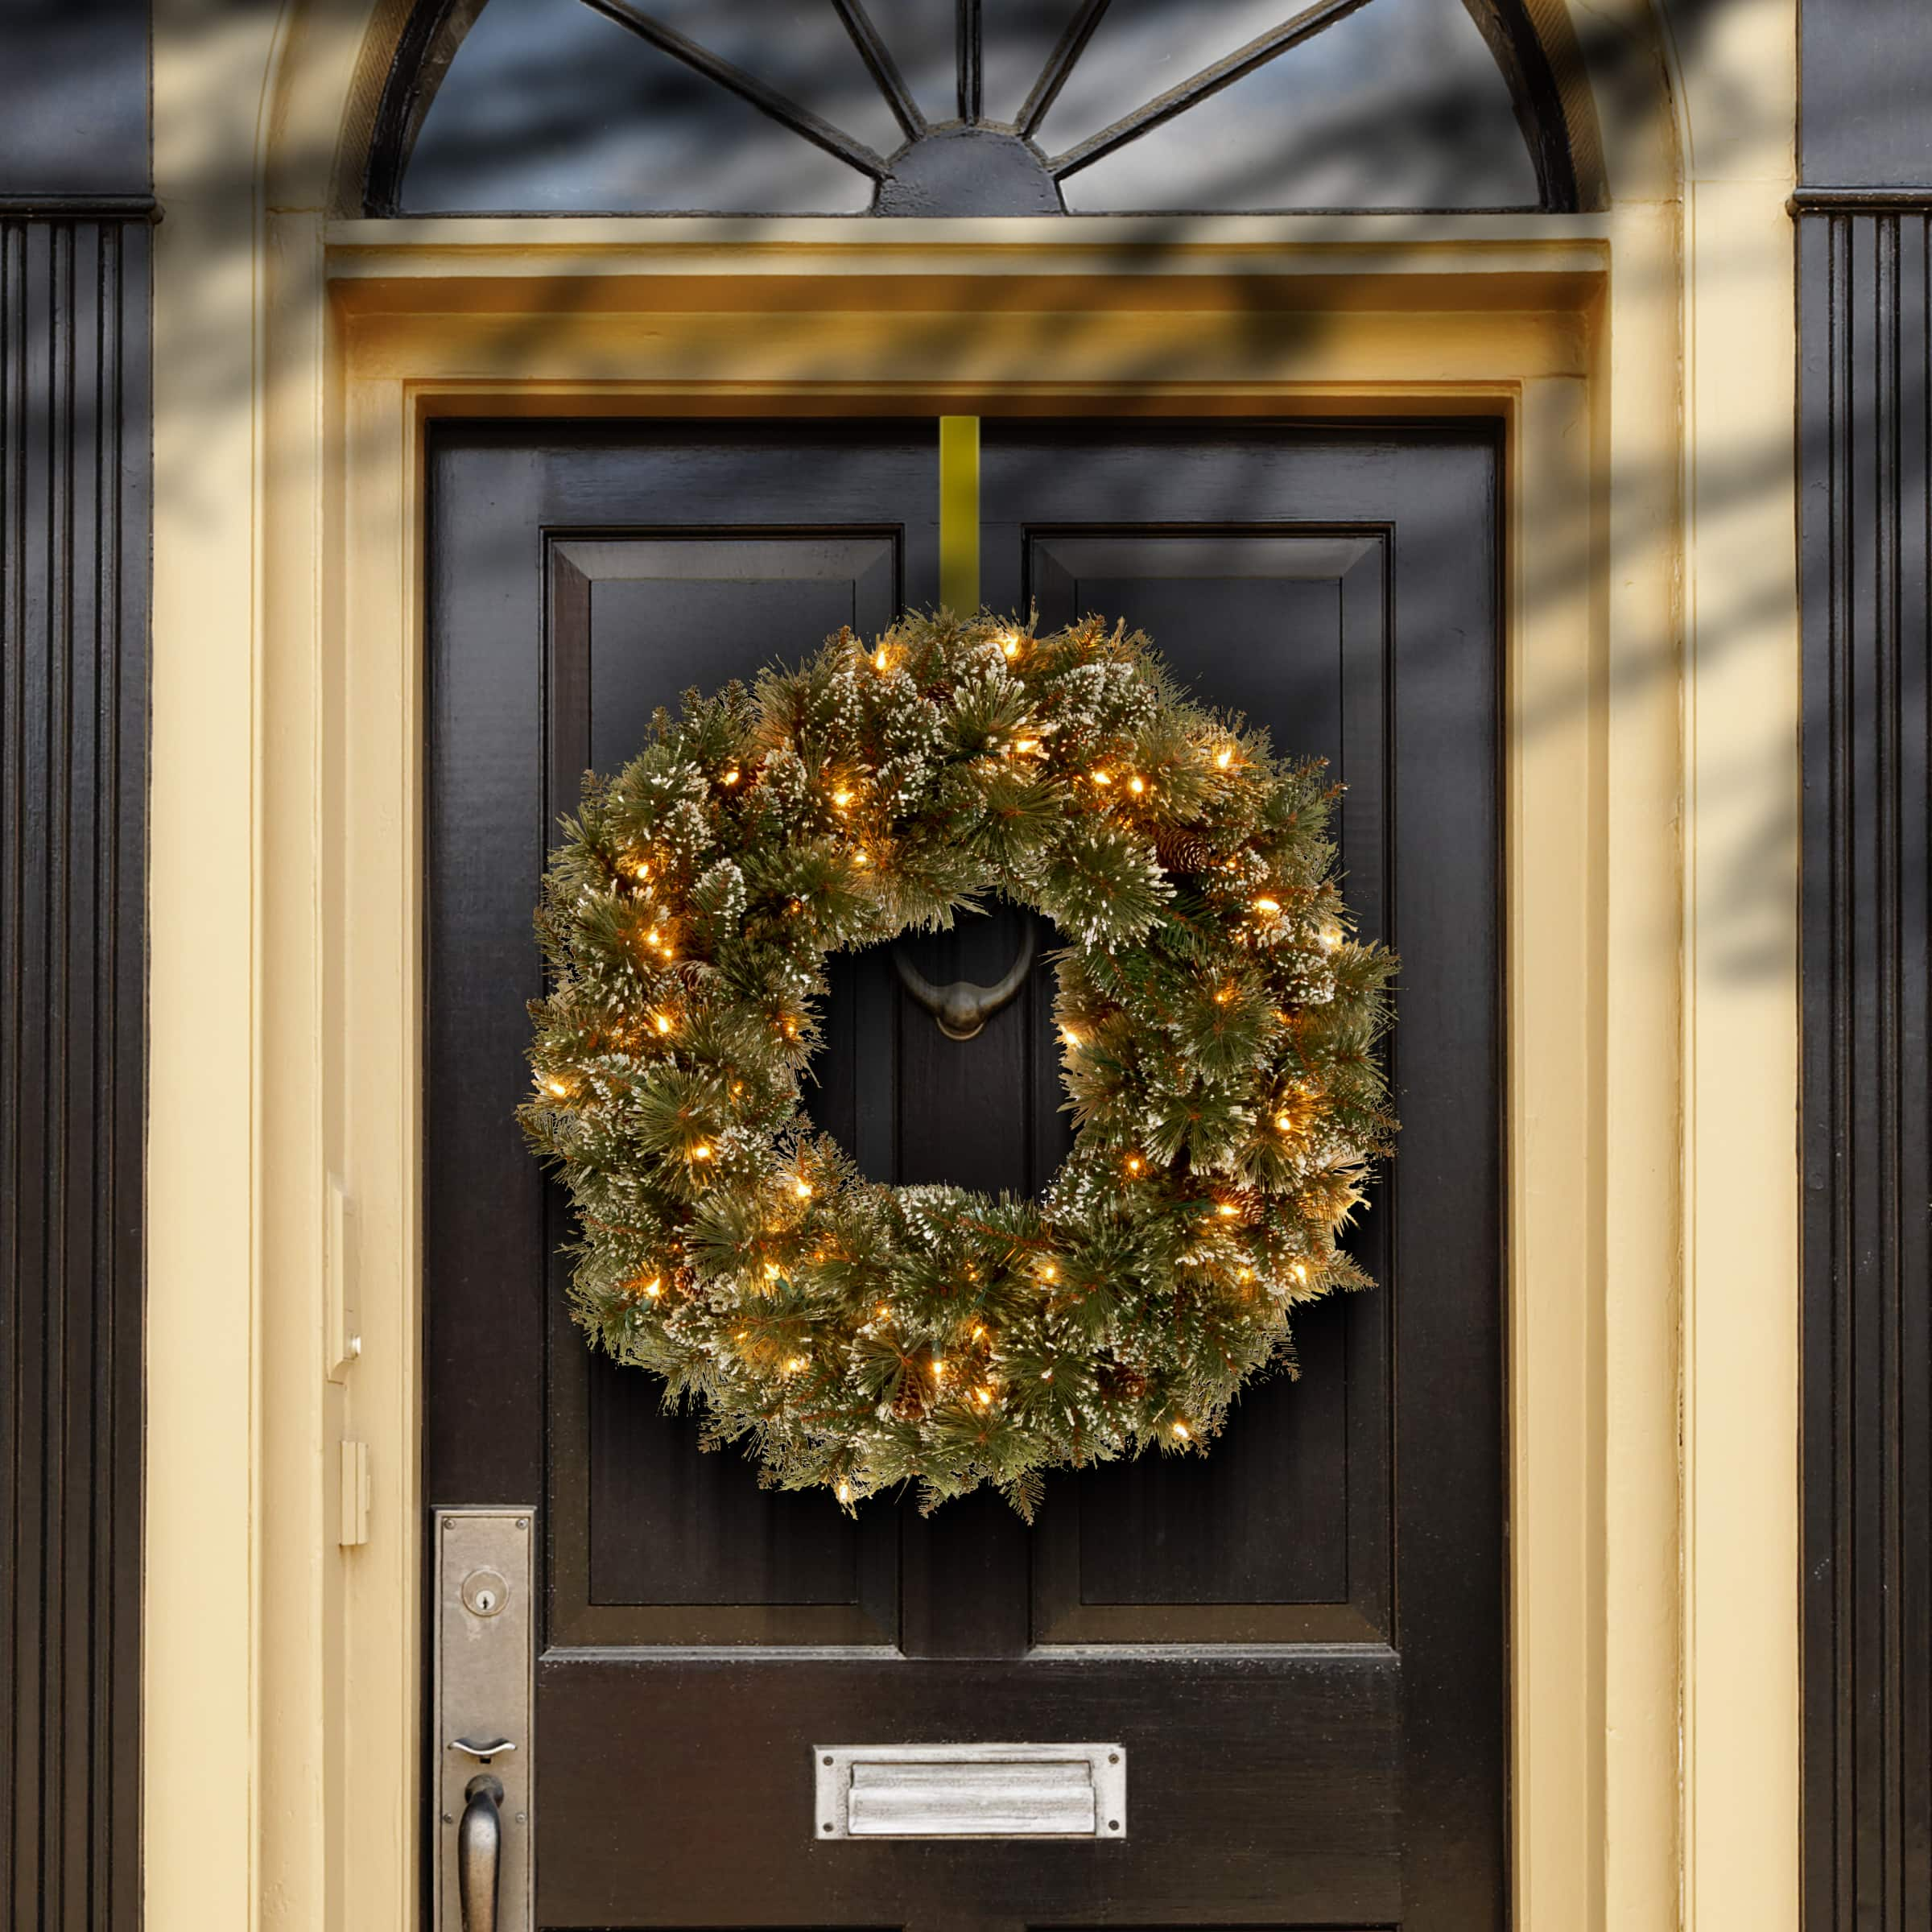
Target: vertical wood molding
74,503
1865,350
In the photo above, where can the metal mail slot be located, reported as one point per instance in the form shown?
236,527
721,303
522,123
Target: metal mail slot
970,1790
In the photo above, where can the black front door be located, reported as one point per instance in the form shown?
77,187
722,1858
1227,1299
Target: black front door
1298,1640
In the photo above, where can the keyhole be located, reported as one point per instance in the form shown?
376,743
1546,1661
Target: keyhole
485,1592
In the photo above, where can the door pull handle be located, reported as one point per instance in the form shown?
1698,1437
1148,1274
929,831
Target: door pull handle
479,1852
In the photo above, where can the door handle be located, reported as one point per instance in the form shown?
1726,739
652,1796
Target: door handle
962,1007
479,1852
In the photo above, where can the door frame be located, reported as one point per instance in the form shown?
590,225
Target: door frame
1652,1178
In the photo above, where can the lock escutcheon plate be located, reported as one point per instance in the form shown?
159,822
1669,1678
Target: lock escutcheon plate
482,1688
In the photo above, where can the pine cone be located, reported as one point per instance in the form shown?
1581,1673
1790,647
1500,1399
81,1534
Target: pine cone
1120,1383
909,1404
1181,848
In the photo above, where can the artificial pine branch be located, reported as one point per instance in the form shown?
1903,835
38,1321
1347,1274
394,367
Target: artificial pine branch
1220,1028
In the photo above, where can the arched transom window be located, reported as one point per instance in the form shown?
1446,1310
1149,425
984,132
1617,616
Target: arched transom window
969,107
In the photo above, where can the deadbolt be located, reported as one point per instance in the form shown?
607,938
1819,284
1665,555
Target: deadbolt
485,1592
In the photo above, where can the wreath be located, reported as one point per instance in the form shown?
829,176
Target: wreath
1219,1030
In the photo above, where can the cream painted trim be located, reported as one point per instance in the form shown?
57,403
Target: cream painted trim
1654,1193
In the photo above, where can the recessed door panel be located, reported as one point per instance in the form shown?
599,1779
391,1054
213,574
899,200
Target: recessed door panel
1283,1536
666,1544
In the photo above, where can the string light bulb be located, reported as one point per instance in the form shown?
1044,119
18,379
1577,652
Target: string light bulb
654,1286
841,798
1267,907
701,1152
1331,937
802,1189
1223,758
1136,785
879,659
1101,777
1134,1163
662,1021
731,777
557,1087
1284,1123
1010,644
1181,1431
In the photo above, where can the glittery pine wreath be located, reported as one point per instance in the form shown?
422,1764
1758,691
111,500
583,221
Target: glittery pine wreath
1219,1031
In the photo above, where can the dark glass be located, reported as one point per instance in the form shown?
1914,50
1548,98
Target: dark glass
551,106
1400,105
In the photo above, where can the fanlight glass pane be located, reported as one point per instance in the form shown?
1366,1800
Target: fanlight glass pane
1016,37
923,36
1143,47
1399,106
549,106
798,48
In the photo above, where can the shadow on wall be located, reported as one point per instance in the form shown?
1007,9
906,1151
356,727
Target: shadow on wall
1747,918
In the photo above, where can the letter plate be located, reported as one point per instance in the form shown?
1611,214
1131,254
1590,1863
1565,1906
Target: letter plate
970,1790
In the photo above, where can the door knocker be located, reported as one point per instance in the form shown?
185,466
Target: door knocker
962,1007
